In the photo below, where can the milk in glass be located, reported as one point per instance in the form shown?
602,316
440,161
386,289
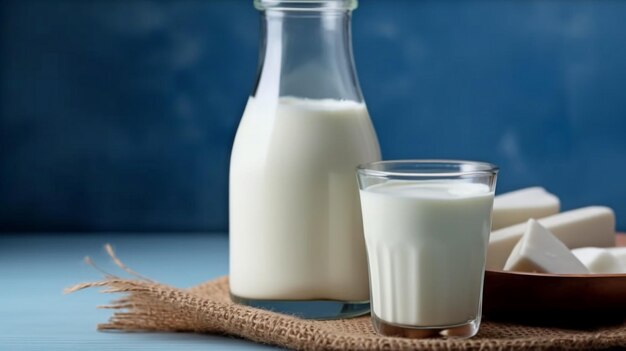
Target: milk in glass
426,245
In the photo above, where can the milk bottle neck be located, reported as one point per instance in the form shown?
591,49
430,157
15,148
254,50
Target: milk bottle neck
306,51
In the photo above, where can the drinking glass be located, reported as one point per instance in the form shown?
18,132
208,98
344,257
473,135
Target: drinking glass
426,226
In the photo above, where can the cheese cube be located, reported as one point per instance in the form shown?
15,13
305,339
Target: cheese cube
587,226
619,253
521,205
597,260
540,251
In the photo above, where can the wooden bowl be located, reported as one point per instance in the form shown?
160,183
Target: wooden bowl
573,297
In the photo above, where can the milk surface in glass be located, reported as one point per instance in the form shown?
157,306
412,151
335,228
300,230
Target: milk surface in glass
426,245
295,230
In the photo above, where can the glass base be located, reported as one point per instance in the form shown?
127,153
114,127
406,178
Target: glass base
309,309
465,330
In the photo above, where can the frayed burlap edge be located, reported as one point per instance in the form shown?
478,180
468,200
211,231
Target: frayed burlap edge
150,306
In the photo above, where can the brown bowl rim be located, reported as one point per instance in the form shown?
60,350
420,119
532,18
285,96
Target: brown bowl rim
549,275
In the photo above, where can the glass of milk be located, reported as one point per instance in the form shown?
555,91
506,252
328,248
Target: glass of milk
426,226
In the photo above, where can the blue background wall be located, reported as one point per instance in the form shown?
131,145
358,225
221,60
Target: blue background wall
119,115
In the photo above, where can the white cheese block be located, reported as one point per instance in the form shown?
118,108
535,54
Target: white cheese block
597,260
521,205
619,253
539,251
587,226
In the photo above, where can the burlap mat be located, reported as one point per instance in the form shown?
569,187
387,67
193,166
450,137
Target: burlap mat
206,308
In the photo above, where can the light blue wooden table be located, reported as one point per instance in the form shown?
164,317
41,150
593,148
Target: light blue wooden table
34,269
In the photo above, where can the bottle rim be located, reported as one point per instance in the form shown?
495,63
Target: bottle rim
306,5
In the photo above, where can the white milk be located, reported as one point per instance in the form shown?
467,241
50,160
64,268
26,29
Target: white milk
426,245
295,225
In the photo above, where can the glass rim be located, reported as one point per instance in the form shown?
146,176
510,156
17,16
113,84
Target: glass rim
437,168
305,5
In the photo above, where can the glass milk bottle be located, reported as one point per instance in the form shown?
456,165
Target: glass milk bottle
296,235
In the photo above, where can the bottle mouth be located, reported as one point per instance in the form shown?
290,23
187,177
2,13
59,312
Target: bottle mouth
306,5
